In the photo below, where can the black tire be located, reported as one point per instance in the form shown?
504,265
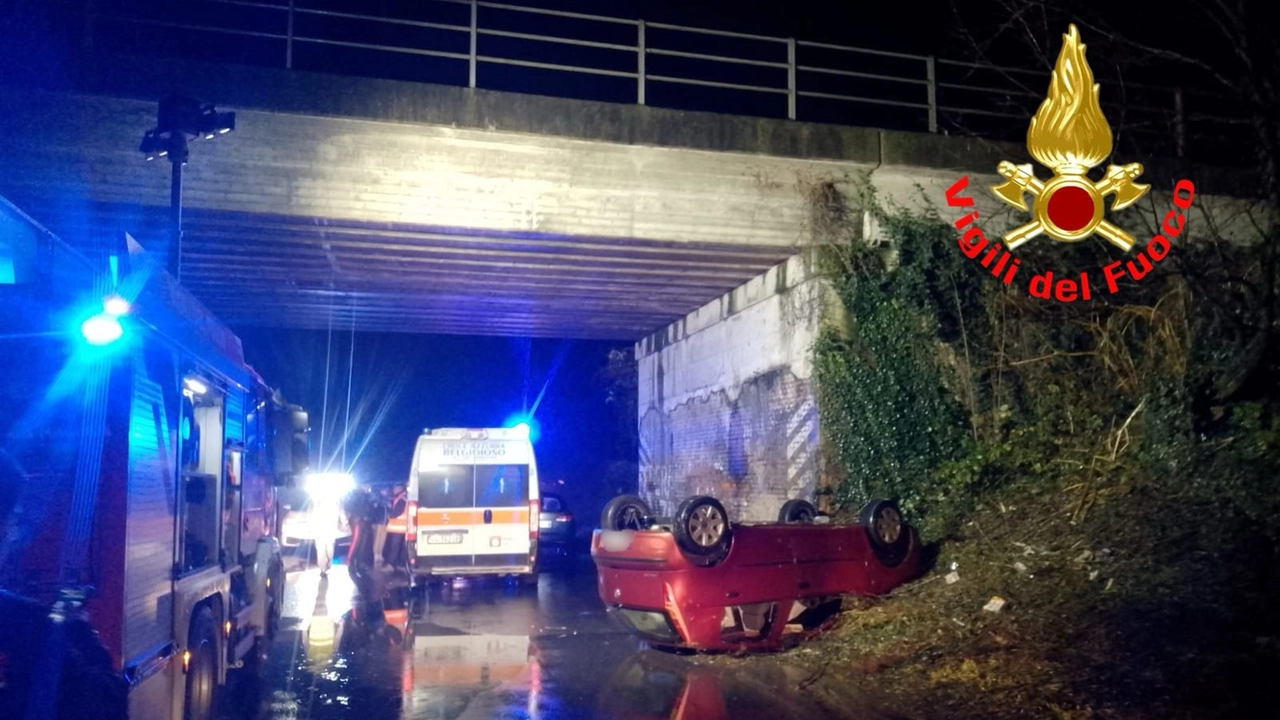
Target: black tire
702,530
625,512
889,535
797,512
202,670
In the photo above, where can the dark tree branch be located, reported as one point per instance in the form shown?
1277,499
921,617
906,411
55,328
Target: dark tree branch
1239,54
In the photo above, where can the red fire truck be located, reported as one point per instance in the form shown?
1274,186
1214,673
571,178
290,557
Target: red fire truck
139,461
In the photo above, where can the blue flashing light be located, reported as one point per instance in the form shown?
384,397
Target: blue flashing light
525,426
101,329
115,306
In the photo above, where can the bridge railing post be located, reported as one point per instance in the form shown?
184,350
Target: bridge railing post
288,39
791,78
931,78
640,53
471,67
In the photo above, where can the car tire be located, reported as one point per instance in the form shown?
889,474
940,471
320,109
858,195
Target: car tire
625,512
702,530
890,538
797,511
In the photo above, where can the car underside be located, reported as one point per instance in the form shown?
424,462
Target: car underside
698,581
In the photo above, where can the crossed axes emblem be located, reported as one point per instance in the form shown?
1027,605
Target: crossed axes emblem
1021,179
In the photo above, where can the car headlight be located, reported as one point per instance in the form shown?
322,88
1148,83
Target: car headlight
329,486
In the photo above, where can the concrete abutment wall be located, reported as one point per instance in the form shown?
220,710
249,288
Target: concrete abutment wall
726,397
727,403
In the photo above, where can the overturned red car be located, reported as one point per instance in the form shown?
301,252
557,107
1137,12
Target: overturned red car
698,581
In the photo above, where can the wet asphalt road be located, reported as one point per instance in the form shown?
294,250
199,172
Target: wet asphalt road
485,649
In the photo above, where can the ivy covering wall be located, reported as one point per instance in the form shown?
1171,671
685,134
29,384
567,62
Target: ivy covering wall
944,385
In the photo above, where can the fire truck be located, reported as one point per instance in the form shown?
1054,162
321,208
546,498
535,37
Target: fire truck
140,458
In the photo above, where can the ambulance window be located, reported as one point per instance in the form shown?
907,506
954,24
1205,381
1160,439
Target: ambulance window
502,485
447,486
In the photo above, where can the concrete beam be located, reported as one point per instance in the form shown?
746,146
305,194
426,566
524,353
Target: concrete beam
477,180
307,93
415,193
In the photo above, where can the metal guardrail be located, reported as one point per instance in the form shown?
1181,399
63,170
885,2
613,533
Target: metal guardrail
937,95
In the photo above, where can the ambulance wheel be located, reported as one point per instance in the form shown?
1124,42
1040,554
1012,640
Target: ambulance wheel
702,530
202,670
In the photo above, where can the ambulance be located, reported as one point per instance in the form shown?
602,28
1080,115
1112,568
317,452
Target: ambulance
473,504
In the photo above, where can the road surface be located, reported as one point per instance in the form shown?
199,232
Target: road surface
486,649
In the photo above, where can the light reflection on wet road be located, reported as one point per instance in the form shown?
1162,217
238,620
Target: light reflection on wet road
484,649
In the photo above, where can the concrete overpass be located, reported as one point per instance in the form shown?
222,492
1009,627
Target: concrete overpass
422,208
431,209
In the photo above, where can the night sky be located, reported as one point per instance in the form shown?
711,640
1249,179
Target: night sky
402,384
928,27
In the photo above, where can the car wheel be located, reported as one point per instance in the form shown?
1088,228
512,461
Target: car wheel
702,530
888,533
625,512
797,511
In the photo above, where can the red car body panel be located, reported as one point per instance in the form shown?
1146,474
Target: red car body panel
645,570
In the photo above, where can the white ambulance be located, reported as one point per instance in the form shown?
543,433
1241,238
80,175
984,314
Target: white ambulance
473,503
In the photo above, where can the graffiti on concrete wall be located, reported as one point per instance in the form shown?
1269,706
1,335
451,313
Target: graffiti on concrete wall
752,452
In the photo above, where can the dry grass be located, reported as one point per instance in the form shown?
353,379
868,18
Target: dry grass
1073,640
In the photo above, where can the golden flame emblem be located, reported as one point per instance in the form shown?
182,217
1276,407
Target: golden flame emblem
1070,136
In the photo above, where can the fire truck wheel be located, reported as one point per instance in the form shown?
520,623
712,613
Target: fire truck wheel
202,670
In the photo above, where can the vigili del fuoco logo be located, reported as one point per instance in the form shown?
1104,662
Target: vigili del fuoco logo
1070,136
